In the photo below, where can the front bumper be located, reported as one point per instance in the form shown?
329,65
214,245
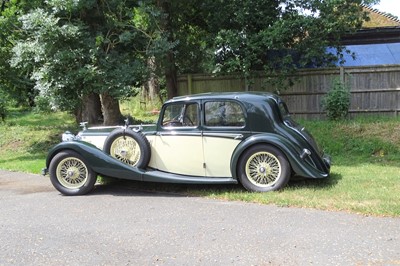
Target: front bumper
45,171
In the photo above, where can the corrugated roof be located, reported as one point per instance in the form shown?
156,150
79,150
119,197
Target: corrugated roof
373,54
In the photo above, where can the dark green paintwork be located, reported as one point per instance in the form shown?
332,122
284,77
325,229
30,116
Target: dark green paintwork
265,123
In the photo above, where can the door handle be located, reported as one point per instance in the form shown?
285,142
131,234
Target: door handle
239,136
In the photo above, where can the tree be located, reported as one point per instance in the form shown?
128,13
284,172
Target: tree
78,50
14,83
279,37
176,40
153,19
78,54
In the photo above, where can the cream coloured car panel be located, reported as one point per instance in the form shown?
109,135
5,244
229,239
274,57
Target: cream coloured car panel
177,153
218,153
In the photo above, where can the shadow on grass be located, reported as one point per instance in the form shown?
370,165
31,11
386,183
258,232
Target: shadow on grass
44,146
119,187
322,183
24,158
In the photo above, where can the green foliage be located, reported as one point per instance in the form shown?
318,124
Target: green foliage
42,104
14,82
65,50
278,37
74,48
337,101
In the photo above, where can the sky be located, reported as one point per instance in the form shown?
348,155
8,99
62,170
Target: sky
389,6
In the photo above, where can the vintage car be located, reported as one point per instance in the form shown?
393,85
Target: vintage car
247,138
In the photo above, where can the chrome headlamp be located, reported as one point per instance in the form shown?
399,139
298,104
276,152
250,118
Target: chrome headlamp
68,136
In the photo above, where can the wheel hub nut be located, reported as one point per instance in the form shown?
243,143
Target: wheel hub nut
70,173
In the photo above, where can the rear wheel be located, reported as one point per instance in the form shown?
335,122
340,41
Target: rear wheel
263,168
129,147
70,174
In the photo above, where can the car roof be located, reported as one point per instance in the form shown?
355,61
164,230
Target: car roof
241,96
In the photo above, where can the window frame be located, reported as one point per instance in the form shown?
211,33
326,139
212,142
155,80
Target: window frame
238,103
184,108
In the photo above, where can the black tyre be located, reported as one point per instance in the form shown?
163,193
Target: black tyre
70,174
263,168
129,147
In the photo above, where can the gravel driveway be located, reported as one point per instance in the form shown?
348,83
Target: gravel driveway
116,225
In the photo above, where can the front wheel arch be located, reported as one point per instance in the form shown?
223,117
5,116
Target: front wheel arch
263,157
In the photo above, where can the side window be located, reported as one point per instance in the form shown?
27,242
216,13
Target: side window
224,114
181,115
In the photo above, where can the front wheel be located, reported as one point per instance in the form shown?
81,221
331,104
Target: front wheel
263,168
70,174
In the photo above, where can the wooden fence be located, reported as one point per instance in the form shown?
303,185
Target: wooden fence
374,90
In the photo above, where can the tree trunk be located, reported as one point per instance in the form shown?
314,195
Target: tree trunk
111,112
171,75
91,109
151,90
170,70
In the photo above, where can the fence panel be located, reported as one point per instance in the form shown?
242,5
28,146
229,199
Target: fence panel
374,90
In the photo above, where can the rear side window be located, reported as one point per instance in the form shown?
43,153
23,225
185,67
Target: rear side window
224,114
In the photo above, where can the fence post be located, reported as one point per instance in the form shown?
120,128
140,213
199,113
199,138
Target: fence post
189,83
342,75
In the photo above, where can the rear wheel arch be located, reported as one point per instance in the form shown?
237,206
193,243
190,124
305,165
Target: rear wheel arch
264,143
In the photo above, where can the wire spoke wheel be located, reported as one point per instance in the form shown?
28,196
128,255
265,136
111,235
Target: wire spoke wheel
128,146
72,173
263,169
126,149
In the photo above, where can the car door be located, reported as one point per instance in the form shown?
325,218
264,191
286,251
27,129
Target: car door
223,129
177,146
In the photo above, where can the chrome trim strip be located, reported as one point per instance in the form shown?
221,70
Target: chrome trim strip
178,133
223,135
130,126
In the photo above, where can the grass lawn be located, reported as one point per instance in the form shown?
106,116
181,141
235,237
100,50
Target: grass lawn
26,137
365,174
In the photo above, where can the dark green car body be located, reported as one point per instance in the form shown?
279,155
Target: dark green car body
204,125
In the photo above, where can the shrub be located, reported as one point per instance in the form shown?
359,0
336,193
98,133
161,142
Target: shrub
337,101
42,104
